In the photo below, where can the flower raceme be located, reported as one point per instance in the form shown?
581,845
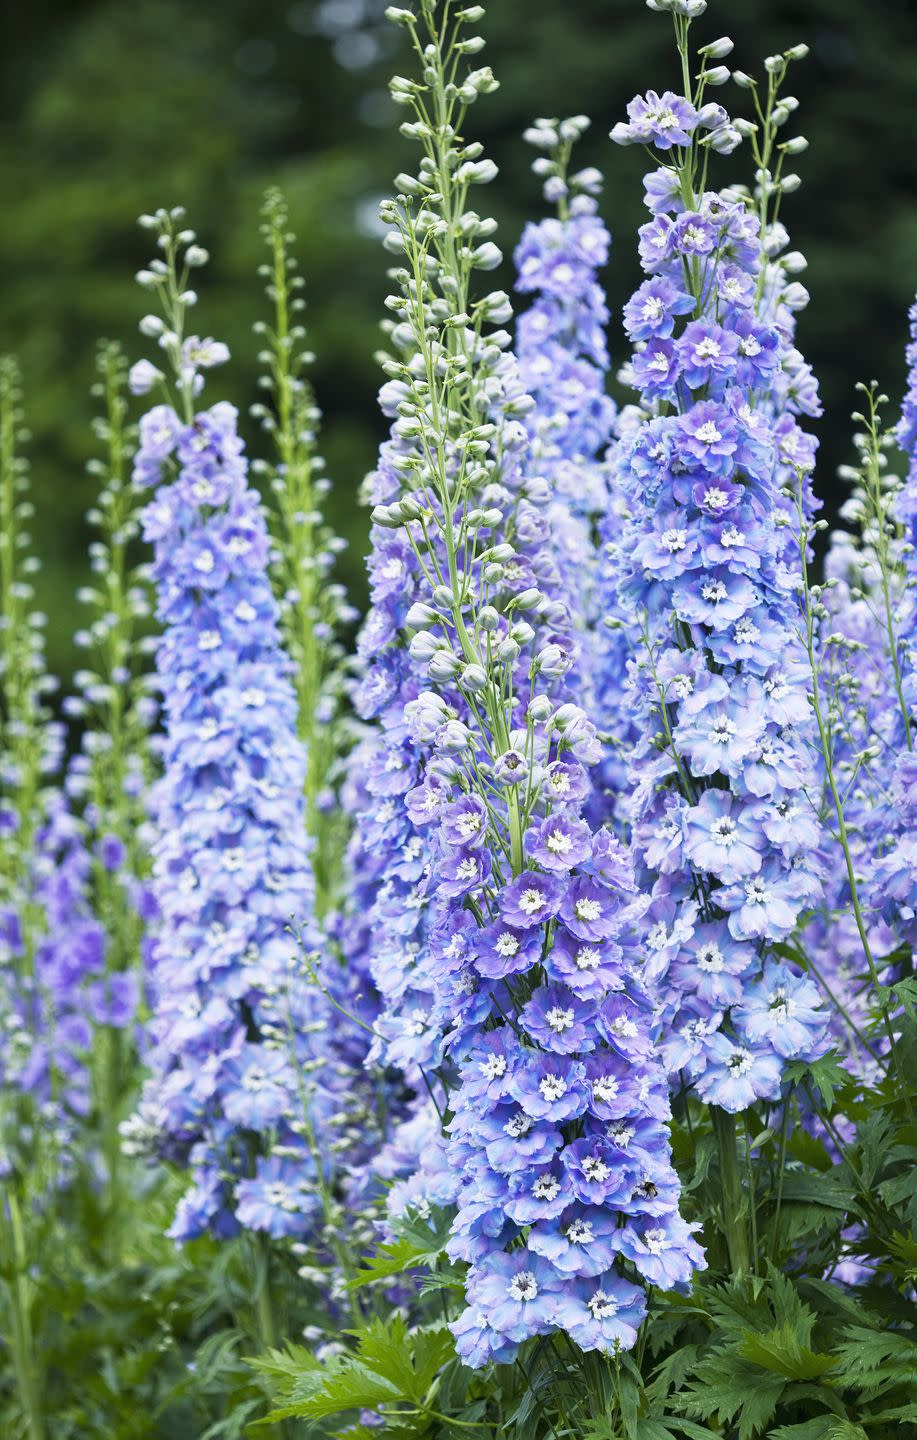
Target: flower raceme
533,1012
721,777
237,1027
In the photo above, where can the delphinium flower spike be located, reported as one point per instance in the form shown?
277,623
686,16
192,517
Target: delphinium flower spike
563,360
313,607
109,777
858,627
237,1029
567,1200
51,948
722,776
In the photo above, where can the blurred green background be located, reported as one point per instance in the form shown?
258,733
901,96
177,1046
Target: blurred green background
110,108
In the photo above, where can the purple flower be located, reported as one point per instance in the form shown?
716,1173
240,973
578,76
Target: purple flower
529,900
707,354
560,843
517,1292
784,1010
550,1087
580,1242
558,1020
736,1076
650,313
603,1313
590,910
723,837
665,121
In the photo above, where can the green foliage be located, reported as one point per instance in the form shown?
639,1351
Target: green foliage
419,1245
392,1370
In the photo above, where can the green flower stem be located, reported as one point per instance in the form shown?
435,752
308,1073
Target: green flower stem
733,1226
22,1342
828,758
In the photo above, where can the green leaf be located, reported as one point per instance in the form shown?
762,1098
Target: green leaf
846,1430
817,1429
409,1362
780,1351
827,1075
287,1364
897,1412
348,1386
418,1245
818,1189
733,1390
904,992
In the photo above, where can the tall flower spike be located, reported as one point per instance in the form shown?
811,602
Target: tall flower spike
313,608
313,611
110,775
563,359
898,871
864,619
237,1031
558,1137
722,774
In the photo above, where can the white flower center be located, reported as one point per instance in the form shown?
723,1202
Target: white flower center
723,831
588,910
594,1168
602,1306
587,958
519,1125
710,958
708,433
531,901
553,1087
559,1020
580,1232
468,824
546,1187
523,1286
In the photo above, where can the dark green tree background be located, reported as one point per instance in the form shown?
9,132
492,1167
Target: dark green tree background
110,108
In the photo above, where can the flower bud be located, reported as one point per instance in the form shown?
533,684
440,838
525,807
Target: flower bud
717,49
526,599
473,678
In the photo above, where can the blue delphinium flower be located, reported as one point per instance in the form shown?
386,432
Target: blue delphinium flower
238,1025
231,856
486,753
52,948
721,777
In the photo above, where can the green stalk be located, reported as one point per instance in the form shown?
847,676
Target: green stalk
22,1341
734,1227
843,833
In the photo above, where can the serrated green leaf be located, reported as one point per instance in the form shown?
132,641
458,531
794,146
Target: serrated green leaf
817,1429
781,1351
349,1385
418,1245
818,1189
846,1430
897,1412
827,1075
732,1390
